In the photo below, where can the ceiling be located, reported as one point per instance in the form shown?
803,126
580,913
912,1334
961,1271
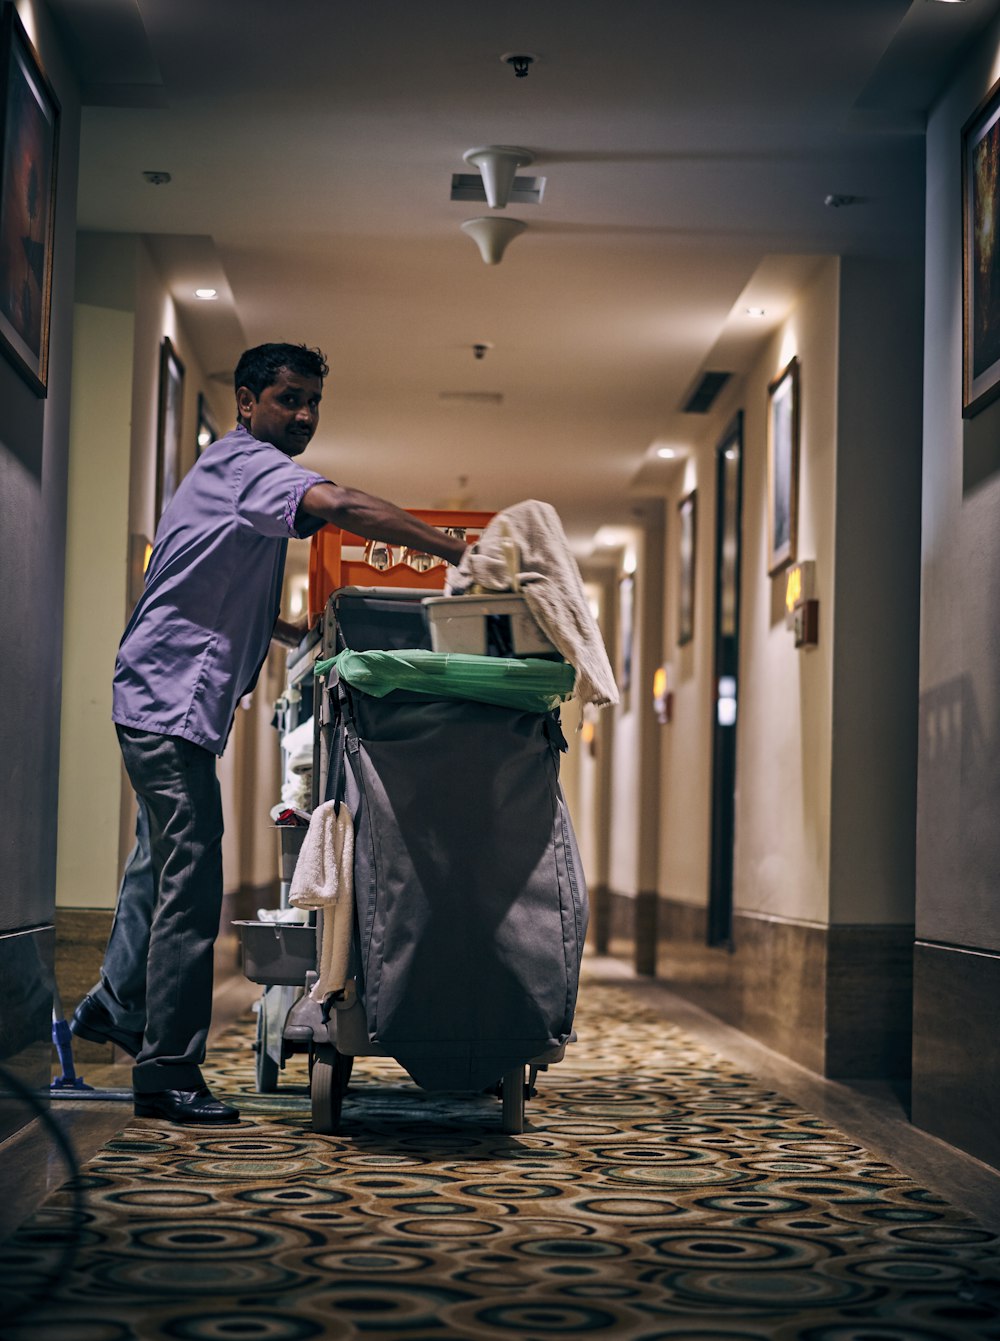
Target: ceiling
687,147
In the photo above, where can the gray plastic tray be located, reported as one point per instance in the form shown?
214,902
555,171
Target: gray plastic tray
278,954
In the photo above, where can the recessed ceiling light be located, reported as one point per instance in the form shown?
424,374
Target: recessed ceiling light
665,453
207,294
755,312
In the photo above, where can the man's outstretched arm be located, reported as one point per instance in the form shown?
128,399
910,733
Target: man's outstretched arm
377,519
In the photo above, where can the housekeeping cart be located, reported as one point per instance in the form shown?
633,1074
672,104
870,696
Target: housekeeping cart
278,948
470,907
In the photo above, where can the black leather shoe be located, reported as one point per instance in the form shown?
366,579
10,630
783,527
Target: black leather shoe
194,1107
92,1021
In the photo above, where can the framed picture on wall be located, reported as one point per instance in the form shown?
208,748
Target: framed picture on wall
206,432
169,425
29,146
981,255
782,467
687,529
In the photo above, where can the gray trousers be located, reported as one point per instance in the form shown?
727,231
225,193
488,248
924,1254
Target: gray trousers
157,972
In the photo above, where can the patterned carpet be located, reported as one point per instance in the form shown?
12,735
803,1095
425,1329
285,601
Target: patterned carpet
656,1192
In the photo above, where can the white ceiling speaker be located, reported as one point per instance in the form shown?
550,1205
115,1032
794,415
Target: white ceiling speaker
491,235
498,164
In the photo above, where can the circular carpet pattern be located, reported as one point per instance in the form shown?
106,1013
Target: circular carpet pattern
657,1192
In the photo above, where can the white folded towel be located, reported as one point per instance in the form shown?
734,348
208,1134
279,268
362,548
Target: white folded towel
552,587
324,879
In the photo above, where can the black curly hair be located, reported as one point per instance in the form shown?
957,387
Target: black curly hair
259,367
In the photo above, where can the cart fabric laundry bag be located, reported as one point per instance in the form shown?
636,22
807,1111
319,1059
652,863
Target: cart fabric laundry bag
470,896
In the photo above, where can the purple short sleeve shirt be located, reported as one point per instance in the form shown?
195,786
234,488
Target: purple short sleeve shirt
200,632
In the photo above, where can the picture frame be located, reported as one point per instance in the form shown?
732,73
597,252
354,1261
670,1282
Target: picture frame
687,518
205,431
783,416
29,158
981,255
169,425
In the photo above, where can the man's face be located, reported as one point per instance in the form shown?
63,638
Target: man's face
286,412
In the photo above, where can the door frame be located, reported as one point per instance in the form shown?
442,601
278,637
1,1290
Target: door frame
725,666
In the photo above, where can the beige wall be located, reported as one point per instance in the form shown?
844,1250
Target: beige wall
87,870
958,840
784,722
588,770
124,310
622,822
686,741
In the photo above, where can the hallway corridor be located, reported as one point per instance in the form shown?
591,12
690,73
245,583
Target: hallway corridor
674,1180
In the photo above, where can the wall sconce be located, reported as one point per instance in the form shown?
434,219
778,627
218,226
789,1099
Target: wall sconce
588,729
801,605
663,694
139,551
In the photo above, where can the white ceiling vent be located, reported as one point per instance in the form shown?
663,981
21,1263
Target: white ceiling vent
471,397
469,186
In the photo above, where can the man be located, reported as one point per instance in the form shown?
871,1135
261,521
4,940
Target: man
193,647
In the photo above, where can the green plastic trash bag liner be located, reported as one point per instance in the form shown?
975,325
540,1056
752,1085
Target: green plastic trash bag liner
470,895
531,684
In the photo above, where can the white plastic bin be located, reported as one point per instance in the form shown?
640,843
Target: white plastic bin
499,624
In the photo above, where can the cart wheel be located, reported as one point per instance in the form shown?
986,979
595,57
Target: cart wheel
512,1093
326,1099
327,1083
267,1067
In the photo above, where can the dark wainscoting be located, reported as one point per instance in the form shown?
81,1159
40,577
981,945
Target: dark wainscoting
956,1053
26,977
869,1001
837,1000
627,928
81,935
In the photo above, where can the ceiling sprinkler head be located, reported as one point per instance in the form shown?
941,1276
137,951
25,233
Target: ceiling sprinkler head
157,178
479,351
519,64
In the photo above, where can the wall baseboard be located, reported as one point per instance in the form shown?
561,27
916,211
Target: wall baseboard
26,966
629,928
956,1057
81,935
835,999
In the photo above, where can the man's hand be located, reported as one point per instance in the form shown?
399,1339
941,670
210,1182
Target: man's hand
290,633
376,519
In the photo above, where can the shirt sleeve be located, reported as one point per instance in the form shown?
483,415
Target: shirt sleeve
269,491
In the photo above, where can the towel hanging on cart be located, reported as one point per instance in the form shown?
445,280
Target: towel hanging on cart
324,880
548,577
